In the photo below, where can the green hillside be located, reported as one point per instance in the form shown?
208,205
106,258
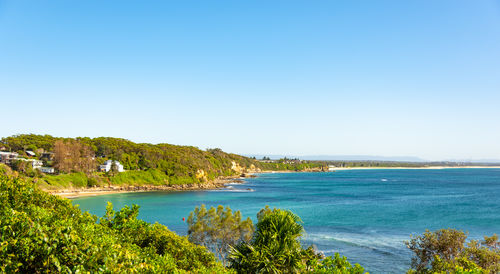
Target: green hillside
76,161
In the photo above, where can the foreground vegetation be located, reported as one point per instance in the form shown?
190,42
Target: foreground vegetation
272,246
40,232
446,251
44,233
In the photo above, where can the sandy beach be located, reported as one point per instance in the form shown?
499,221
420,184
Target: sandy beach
85,192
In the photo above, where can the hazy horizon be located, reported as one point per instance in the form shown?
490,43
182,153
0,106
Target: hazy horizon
387,78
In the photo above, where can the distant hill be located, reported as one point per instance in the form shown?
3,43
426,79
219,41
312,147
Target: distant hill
479,161
343,157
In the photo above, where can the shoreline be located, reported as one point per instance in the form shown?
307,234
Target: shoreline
88,192
370,168
424,167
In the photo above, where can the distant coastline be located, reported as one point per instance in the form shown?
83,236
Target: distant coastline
221,183
425,167
369,168
107,165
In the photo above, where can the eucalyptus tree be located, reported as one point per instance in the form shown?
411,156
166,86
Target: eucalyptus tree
218,229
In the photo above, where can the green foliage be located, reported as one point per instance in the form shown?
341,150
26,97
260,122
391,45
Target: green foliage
337,265
5,170
24,167
275,248
40,232
446,251
77,180
218,229
164,164
31,142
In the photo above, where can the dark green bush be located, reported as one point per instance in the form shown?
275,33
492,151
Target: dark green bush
40,232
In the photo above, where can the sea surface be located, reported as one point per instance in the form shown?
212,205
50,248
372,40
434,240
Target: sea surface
366,215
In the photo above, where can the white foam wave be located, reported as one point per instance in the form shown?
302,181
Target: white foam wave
363,240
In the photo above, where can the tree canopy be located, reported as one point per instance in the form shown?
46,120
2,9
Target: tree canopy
218,229
446,251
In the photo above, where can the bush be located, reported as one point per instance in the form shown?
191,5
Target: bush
218,229
275,248
446,251
40,232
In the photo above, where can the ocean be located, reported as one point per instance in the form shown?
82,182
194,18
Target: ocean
365,215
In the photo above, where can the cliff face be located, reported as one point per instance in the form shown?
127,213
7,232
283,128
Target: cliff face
201,175
242,170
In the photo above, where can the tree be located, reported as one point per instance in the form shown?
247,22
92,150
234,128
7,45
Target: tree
25,167
114,168
218,229
72,156
275,248
446,250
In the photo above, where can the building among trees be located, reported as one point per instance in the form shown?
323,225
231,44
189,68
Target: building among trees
108,165
8,157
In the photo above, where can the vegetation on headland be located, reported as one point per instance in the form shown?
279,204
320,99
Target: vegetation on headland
76,161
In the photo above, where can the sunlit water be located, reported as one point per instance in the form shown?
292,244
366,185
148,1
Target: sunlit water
366,215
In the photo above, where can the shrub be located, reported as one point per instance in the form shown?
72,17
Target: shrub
40,232
218,229
275,248
446,251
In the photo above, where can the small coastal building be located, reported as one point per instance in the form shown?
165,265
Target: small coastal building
46,169
331,168
106,167
30,153
8,157
37,164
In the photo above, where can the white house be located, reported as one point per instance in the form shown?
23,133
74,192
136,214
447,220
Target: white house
7,157
106,167
36,163
46,169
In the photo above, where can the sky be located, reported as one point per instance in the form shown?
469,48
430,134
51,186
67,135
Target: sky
389,78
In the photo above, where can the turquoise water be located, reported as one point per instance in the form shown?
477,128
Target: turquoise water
366,215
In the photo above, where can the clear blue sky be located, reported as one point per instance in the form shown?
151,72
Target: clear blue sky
414,78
